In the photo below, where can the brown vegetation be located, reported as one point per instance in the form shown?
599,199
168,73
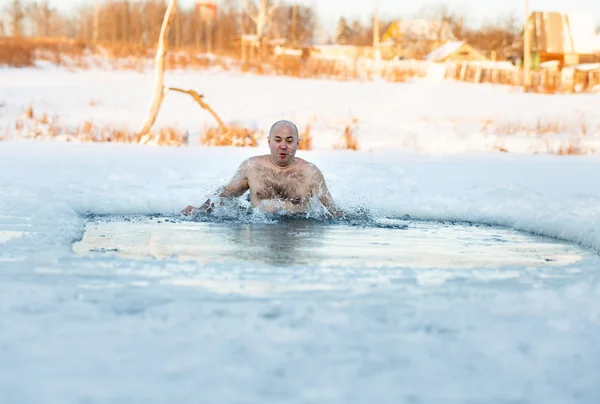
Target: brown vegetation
539,127
305,139
573,150
230,136
32,126
348,140
22,52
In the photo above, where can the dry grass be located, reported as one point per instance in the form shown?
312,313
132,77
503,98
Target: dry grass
32,126
24,51
305,139
348,140
338,69
539,127
573,150
72,54
230,136
16,53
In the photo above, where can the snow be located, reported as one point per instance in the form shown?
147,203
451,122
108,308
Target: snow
581,36
444,51
104,329
429,116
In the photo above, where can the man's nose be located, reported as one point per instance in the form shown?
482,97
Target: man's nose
283,146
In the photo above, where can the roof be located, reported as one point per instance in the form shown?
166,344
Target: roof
564,33
419,29
444,51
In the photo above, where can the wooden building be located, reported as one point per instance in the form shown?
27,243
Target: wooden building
569,39
455,51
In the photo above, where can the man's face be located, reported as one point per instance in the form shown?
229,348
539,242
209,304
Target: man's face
283,143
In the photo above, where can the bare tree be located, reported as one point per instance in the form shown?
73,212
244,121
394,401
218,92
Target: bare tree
42,17
96,22
17,16
343,34
502,36
440,12
261,15
294,22
207,12
159,69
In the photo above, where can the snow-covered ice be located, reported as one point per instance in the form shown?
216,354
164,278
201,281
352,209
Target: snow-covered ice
98,328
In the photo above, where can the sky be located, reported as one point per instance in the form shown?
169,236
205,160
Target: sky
475,11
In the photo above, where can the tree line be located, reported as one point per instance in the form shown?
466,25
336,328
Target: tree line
138,23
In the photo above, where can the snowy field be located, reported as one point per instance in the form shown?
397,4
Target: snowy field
98,328
430,115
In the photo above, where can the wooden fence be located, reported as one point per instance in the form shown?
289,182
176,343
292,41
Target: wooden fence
574,79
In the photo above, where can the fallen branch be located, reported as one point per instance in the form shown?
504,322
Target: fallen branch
198,98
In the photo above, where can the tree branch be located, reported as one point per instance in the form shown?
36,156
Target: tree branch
198,98
272,8
253,17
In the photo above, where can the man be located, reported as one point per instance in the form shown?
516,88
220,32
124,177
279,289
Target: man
279,181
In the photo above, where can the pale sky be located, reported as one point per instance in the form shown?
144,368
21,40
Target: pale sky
474,10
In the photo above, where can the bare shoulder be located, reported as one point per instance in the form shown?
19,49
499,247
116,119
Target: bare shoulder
252,162
311,169
256,159
262,159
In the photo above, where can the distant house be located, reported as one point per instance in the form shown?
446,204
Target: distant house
455,51
414,39
568,38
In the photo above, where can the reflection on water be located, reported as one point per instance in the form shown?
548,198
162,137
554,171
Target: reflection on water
308,242
298,242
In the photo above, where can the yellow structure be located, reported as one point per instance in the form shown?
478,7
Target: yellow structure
455,51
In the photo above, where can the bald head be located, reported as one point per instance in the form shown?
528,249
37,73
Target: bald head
284,124
283,143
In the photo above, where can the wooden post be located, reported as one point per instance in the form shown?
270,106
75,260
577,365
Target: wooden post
494,75
527,49
477,78
376,31
294,19
159,69
463,71
96,23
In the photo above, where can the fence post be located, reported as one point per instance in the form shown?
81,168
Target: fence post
463,71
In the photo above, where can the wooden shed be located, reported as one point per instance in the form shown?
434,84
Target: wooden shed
569,39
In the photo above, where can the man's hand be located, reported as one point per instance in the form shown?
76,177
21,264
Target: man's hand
190,210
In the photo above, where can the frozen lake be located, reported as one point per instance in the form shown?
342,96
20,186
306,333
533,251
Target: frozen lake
488,294
160,308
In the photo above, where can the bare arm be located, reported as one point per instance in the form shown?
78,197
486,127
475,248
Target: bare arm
236,187
320,191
